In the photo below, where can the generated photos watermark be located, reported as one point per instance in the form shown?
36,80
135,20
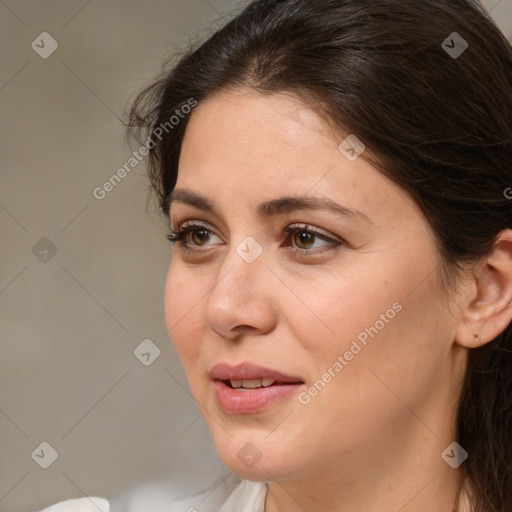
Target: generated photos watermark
357,345
137,156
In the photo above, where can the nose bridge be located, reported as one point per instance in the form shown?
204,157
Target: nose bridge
239,296
241,269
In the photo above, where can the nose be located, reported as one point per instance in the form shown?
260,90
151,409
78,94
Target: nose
241,300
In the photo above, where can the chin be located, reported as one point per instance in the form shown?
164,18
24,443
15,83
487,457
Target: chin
250,460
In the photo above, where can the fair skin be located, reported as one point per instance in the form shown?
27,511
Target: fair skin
372,439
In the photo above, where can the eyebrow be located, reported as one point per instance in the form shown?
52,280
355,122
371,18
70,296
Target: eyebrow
274,207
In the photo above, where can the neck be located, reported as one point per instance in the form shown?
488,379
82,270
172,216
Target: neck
408,476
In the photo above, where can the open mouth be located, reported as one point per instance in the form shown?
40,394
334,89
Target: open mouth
255,383
247,388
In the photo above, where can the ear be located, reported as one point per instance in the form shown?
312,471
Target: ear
487,312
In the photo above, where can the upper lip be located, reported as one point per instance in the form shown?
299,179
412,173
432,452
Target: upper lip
248,371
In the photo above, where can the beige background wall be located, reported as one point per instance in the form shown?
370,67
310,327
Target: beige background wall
69,325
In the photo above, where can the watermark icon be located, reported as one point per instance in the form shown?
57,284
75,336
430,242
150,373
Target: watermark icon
45,455
454,45
249,250
355,348
352,147
454,455
249,454
44,45
147,352
508,193
137,156
44,250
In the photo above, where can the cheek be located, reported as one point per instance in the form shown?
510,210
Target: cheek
182,314
385,314
384,327
341,307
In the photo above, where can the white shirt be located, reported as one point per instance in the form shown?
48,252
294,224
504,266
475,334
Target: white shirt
232,495
247,496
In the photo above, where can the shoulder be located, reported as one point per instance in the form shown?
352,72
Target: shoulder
90,504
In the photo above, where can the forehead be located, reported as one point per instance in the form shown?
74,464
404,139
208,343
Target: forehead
249,132
242,146
246,115
238,138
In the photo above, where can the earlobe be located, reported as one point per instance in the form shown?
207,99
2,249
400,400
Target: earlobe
488,311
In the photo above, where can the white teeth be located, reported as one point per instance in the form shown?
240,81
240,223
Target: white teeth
252,384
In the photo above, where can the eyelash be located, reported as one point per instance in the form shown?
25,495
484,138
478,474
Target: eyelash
179,236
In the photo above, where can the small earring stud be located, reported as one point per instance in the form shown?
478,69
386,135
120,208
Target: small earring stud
477,338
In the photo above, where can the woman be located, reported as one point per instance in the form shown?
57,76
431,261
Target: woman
337,176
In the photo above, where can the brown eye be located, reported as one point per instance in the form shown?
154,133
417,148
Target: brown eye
199,236
301,239
308,241
304,239
191,237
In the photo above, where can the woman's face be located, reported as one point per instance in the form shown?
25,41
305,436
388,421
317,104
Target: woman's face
346,305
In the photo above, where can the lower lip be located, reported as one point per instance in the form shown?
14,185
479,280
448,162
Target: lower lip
232,401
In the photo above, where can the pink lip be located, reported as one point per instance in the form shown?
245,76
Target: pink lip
232,401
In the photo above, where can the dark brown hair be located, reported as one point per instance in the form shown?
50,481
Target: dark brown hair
435,122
